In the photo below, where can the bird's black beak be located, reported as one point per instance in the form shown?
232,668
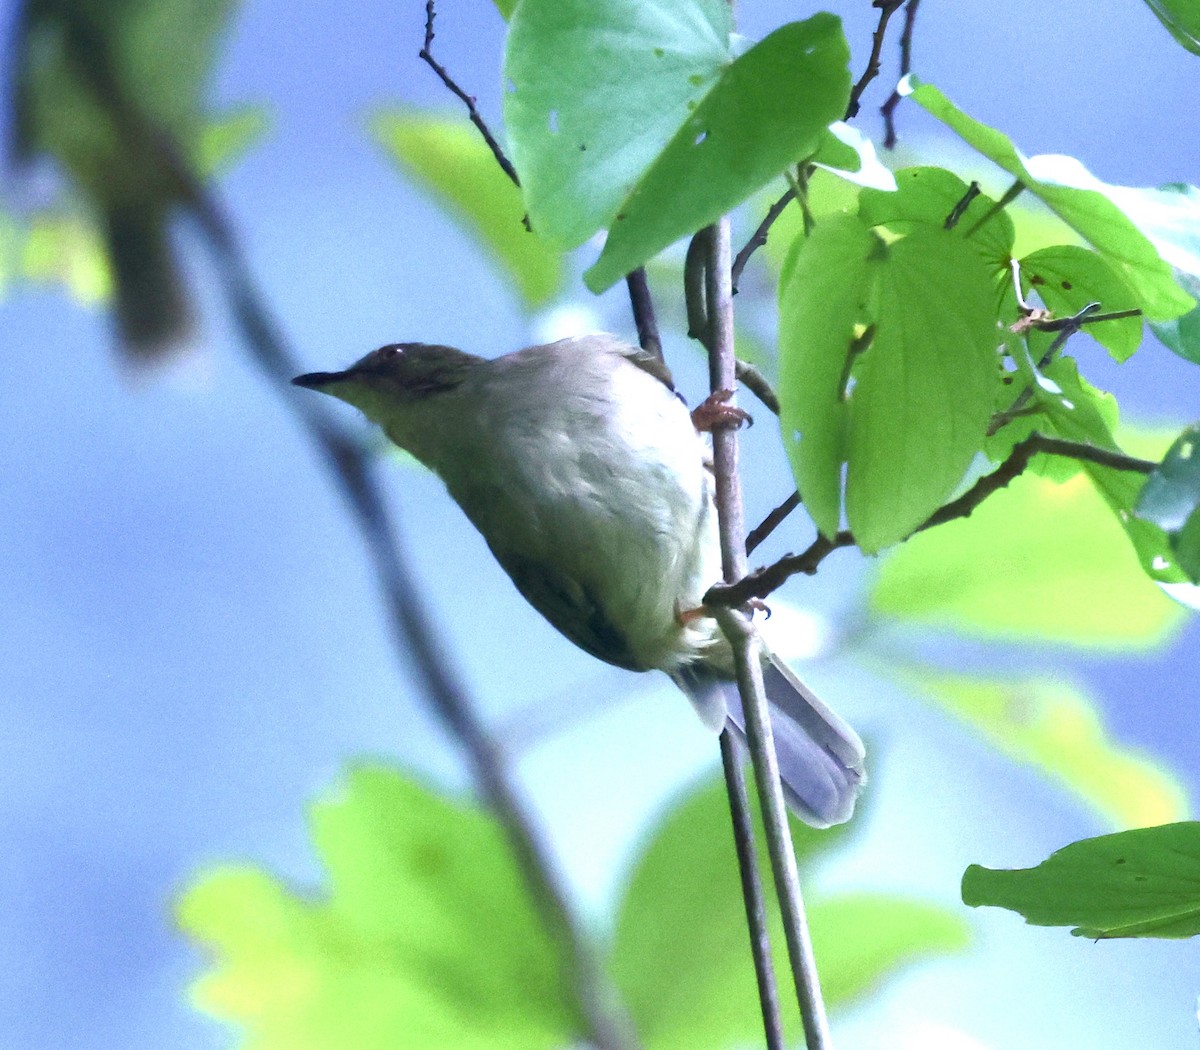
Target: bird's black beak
318,380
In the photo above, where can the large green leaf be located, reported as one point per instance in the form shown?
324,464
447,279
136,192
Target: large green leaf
451,160
1182,18
1038,561
1093,215
1055,726
823,296
425,938
882,370
1141,883
769,109
681,953
596,89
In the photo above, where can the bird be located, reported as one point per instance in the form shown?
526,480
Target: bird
583,470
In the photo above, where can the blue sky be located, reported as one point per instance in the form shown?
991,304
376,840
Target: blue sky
190,641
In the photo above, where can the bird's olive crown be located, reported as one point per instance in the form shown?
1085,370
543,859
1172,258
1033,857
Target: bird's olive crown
417,368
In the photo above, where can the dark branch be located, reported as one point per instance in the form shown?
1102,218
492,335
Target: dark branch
759,237
764,581
426,56
754,381
771,522
888,109
959,209
887,8
643,312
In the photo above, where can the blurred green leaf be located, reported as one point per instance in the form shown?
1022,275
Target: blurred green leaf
681,953
1038,561
769,108
505,7
449,159
1171,500
1102,223
1068,278
226,140
597,88
1182,19
1141,883
425,939
62,248
1055,726
1182,335
861,939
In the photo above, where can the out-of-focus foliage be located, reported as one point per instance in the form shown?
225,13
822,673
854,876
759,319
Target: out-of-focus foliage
425,939
1140,883
1170,500
681,956
112,89
449,158
1055,726
1039,561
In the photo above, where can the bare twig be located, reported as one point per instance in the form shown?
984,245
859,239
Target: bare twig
771,522
959,209
426,56
887,8
888,109
763,582
694,291
754,381
746,647
759,237
756,911
643,312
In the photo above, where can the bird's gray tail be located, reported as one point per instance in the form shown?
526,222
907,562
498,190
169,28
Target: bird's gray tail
820,756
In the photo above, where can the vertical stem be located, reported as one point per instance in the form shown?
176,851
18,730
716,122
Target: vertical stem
744,640
756,909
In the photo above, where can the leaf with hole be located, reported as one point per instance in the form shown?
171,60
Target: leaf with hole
1090,213
769,109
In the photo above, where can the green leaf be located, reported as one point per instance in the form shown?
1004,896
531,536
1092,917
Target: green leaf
449,159
505,7
596,90
860,939
681,953
1055,726
823,296
425,939
1182,335
224,141
1068,278
846,152
929,195
924,388
908,413
1038,561
1171,497
1141,883
1090,213
769,109
1182,18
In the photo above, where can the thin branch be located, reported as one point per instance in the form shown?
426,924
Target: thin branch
1077,321
354,473
643,312
888,109
756,912
754,381
764,581
960,208
887,8
771,522
426,56
759,237
746,647
694,293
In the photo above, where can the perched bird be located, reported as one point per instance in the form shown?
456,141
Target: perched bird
582,469
110,88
